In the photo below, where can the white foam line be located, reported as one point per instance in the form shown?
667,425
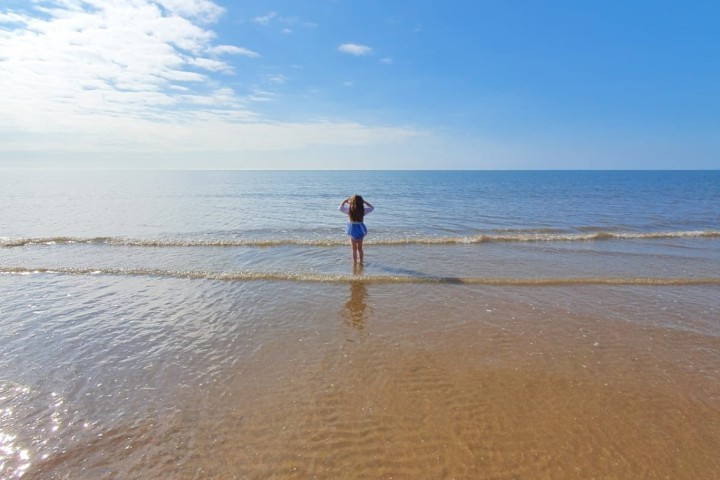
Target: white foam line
341,241
249,276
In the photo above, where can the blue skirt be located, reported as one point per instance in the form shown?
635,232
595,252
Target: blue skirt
357,231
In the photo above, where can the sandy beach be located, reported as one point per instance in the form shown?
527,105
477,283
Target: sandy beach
372,381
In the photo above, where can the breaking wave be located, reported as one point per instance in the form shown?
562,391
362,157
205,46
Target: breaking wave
340,240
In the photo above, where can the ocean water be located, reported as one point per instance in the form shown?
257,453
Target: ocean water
428,225
503,325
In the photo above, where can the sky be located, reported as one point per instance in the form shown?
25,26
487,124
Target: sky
340,84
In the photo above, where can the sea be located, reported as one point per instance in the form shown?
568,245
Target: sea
503,325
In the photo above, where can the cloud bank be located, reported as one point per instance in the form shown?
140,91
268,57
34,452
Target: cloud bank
137,59
111,75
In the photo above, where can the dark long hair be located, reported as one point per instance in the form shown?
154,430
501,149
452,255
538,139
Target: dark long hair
357,209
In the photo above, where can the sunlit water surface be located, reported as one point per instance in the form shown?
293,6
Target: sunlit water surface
504,325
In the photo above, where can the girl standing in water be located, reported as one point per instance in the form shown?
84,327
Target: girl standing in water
356,208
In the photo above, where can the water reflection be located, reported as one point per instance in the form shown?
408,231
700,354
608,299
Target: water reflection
356,306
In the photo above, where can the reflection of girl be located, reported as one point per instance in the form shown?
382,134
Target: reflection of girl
356,208
356,309
356,304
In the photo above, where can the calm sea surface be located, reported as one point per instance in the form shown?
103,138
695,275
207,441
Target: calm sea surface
503,325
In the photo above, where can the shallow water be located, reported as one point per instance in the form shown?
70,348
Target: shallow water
111,376
228,338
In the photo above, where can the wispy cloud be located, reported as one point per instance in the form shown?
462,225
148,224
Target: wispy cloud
12,17
386,60
206,133
77,57
355,49
272,17
277,78
202,10
265,19
139,75
232,50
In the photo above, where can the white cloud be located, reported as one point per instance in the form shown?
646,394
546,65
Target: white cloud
125,58
203,10
110,76
265,19
277,79
12,17
232,50
209,64
259,96
208,132
355,49
271,17
386,60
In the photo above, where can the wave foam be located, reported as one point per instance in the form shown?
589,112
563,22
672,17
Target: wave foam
248,276
266,243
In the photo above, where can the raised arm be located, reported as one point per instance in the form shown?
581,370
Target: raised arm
369,208
344,206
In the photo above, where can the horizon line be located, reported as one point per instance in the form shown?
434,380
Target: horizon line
86,169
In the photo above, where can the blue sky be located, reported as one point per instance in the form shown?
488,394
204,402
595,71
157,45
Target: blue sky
350,84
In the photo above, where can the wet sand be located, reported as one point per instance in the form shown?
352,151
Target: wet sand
399,381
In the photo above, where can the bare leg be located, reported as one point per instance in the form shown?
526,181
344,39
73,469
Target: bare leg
360,250
354,245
